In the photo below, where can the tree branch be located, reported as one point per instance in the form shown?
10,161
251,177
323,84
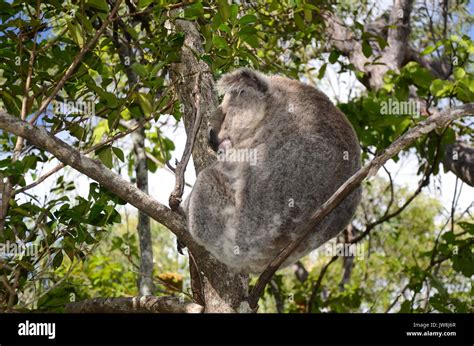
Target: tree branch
130,129
300,272
317,285
94,169
394,53
394,56
176,195
182,73
134,305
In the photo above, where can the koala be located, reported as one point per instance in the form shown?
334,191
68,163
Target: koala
283,149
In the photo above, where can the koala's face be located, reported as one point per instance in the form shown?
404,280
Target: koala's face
242,110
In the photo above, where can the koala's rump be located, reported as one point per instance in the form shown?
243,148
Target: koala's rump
251,212
295,182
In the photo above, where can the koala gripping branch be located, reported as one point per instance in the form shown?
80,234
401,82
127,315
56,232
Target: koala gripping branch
438,120
94,169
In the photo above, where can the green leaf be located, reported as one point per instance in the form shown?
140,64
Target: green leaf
98,4
85,23
96,217
463,262
436,303
77,131
234,11
251,40
29,162
106,96
139,69
449,237
322,71
247,30
366,48
459,73
12,104
224,10
105,155
333,56
225,28
440,87
119,153
194,10
428,50
219,42
144,3
76,33
465,90
145,103
405,307
299,22
157,68
381,41
58,259
439,286
469,227
248,18
113,120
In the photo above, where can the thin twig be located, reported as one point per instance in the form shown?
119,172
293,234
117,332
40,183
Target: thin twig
389,205
317,285
176,195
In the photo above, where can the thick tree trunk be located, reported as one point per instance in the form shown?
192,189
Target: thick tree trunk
391,57
221,289
397,53
145,280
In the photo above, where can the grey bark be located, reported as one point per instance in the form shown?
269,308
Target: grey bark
40,137
222,290
134,305
397,53
145,281
5,195
279,301
300,272
393,55
145,277
348,261
459,159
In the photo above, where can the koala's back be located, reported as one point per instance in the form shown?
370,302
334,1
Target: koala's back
305,150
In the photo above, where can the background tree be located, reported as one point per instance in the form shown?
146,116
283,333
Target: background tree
76,78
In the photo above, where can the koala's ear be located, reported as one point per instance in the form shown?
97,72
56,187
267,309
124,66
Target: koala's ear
243,80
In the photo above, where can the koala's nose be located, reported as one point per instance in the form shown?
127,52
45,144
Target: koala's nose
213,140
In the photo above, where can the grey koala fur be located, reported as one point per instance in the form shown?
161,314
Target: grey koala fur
300,148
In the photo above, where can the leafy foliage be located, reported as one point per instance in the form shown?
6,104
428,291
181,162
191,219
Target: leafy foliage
79,248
